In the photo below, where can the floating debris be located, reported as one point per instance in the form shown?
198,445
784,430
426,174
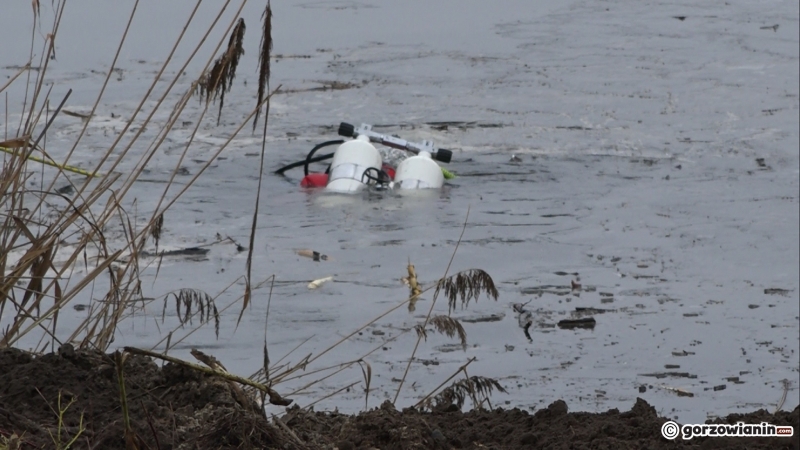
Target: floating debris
189,251
570,324
525,318
317,283
778,291
720,387
316,256
546,289
561,273
479,319
82,116
680,392
591,310
669,374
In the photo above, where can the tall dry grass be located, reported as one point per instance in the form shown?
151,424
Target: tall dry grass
46,235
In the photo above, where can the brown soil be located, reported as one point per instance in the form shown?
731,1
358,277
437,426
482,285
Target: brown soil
176,408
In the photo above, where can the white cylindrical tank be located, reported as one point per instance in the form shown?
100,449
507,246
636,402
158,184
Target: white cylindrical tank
419,172
350,161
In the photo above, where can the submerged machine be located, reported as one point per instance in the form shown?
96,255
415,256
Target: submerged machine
357,164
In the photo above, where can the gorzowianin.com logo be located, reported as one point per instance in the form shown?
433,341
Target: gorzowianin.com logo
671,430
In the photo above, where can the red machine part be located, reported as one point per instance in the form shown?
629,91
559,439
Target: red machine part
316,180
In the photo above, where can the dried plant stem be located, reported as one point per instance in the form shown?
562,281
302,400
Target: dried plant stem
331,395
139,107
274,397
130,439
463,368
249,265
341,366
182,104
214,364
225,308
96,103
430,310
785,385
11,80
288,431
345,338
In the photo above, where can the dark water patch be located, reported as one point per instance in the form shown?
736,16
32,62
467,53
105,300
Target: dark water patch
574,127
547,289
570,324
493,240
387,227
448,348
481,319
495,224
493,174
324,86
388,243
192,252
661,375
778,291
446,125
591,310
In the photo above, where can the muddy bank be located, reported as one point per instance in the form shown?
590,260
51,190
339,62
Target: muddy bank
175,408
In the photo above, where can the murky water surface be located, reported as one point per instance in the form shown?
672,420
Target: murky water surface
637,125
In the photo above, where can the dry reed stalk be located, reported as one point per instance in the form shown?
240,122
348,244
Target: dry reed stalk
466,285
413,286
220,79
264,54
430,310
346,388
265,361
263,83
24,69
124,284
448,326
213,363
133,251
367,372
274,397
426,399
307,361
130,436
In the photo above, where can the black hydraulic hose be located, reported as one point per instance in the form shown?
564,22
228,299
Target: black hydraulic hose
314,150
381,178
309,158
303,162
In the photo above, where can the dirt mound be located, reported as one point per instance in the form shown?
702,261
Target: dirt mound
177,408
